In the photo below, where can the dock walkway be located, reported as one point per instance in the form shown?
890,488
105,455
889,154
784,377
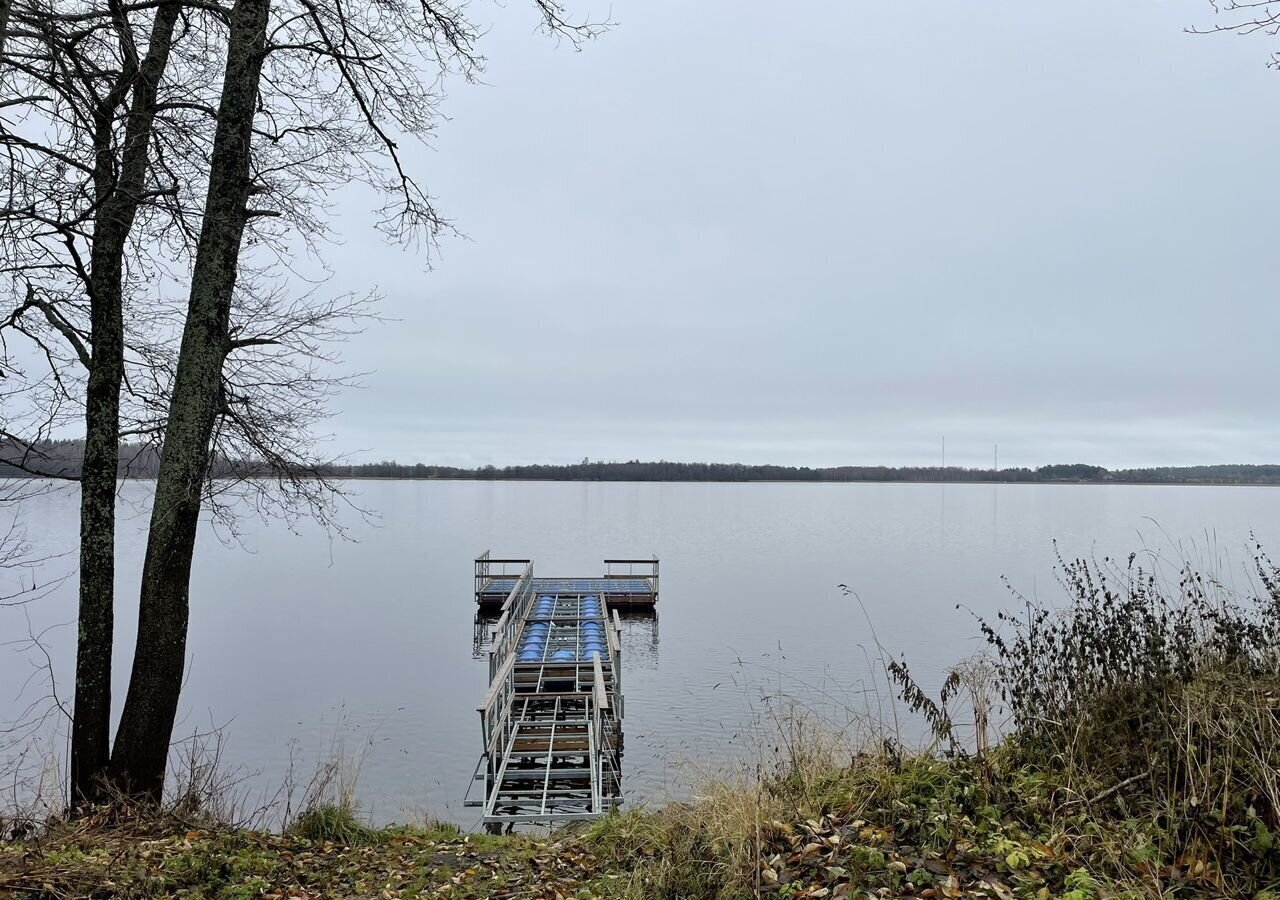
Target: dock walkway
551,722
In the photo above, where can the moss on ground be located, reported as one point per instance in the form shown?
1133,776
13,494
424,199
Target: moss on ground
132,861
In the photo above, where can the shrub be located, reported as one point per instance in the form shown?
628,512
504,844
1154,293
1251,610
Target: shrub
1153,700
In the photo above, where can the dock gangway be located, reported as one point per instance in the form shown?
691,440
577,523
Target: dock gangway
551,720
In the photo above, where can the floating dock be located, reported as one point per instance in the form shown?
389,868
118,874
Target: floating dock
551,721
627,583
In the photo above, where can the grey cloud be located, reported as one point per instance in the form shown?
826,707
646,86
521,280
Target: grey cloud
834,232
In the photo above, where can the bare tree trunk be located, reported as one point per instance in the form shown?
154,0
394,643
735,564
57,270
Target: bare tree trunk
119,194
5,6
142,741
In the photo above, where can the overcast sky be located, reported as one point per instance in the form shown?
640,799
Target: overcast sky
836,232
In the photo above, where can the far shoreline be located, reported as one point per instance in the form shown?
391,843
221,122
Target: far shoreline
992,482
59,479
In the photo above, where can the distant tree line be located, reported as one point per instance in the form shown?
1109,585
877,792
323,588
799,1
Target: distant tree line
635,470
62,459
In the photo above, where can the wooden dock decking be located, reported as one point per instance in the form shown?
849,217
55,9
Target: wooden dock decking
626,584
551,722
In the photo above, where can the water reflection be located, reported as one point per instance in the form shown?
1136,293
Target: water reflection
482,632
640,638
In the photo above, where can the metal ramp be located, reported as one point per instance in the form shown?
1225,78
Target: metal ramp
552,718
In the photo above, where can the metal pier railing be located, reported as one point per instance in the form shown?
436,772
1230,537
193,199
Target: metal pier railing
626,583
551,721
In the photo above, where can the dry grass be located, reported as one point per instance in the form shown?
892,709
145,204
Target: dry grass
710,846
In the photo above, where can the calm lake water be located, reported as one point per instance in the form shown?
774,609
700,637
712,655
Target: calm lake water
299,642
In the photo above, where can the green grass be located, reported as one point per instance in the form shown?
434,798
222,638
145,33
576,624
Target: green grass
153,860
335,823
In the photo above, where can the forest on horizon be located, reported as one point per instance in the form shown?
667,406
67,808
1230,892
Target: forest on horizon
61,459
